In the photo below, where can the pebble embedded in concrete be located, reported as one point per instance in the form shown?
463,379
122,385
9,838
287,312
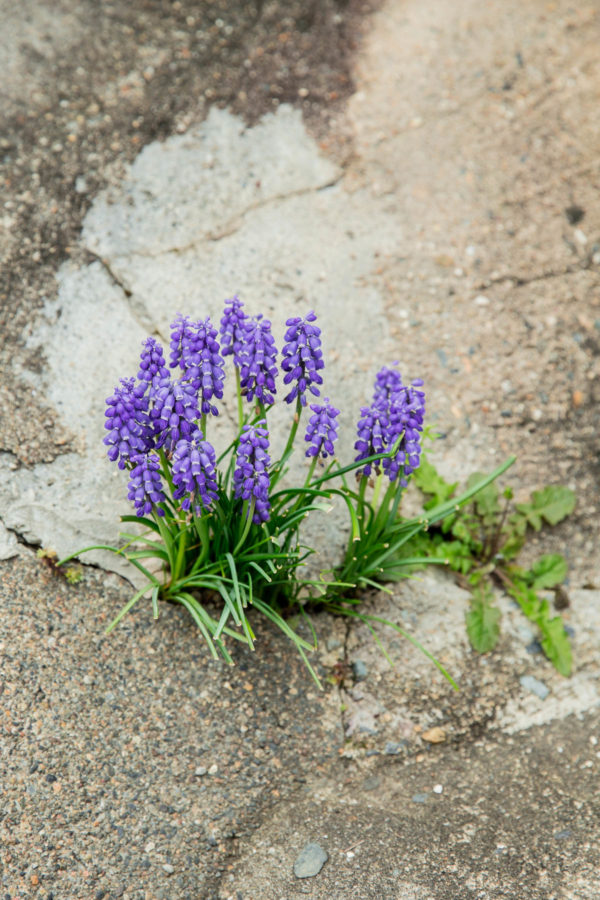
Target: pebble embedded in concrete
310,861
359,669
534,686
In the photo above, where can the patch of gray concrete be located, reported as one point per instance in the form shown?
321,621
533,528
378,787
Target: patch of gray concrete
9,546
75,501
198,186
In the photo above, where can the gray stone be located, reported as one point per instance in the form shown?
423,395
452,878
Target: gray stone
420,798
371,783
534,686
310,861
392,748
359,669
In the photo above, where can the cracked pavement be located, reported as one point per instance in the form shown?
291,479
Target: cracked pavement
427,179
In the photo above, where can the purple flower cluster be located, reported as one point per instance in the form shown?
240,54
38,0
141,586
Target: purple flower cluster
174,412
396,414
152,362
322,428
158,413
194,473
232,329
257,357
145,487
251,476
127,422
195,350
302,357
373,429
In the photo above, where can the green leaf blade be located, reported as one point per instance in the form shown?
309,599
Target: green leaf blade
556,645
551,505
549,570
483,624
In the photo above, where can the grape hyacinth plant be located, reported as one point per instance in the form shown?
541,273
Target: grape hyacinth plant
221,536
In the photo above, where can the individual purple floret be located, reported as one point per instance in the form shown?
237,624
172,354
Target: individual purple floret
373,427
302,357
194,473
152,362
321,430
127,422
257,358
232,329
251,478
174,413
145,486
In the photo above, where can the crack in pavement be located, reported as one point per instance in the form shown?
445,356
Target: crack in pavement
523,280
228,229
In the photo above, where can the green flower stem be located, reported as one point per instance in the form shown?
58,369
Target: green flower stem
377,491
247,512
394,511
261,411
166,470
294,429
362,489
381,514
240,400
311,470
203,425
278,468
204,538
180,558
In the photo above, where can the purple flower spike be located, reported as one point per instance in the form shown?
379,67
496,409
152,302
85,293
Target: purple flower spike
322,430
406,414
397,412
179,329
257,361
145,486
388,382
152,362
195,350
127,422
194,473
232,329
174,412
251,478
372,434
302,357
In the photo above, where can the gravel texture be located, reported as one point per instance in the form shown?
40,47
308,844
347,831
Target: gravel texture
102,741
